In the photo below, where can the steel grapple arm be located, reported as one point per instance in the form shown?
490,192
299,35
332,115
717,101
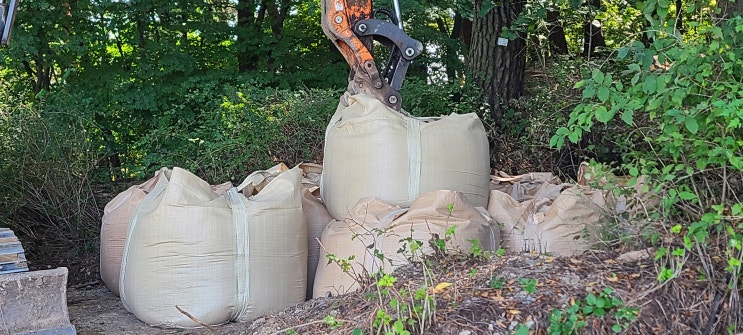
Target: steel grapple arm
352,27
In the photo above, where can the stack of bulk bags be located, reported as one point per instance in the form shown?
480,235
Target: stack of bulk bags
376,227
115,224
217,258
540,214
374,151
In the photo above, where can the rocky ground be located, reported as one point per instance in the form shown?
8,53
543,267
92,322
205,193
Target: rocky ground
498,295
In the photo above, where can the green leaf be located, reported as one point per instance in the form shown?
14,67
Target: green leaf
591,299
588,92
627,116
686,195
398,326
597,76
486,6
622,52
573,137
691,125
616,328
603,115
603,93
522,330
649,85
557,141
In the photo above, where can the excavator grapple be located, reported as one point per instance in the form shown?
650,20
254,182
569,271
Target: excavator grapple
353,26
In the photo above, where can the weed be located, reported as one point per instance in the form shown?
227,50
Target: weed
496,282
332,322
602,305
529,285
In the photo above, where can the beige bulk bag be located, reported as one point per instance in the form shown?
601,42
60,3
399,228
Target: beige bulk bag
374,151
317,217
392,230
115,224
218,258
562,223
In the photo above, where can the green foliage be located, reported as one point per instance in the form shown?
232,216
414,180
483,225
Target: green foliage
529,285
496,282
46,167
332,322
672,104
682,99
603,305
436,98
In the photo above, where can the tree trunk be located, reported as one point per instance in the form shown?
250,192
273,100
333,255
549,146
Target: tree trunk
679,25
592,35
497,68
556,34
451,60
248,30
729,8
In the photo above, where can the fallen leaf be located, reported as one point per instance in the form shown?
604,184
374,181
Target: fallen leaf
441,286
514,311
612,279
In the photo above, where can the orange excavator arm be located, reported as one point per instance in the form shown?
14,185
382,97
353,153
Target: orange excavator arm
352,27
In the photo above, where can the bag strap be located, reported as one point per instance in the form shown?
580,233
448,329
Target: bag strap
162,184
414,158
242,252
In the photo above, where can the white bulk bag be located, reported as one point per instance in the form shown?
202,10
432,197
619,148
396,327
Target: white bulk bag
117,215
391,230
374,151
219,258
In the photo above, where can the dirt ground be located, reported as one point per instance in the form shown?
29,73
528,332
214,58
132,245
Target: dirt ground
486,296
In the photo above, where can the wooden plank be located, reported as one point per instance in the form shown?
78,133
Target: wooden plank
12,257
5,232
10,248
13,267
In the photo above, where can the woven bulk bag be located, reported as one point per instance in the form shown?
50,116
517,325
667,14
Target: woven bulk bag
391,230
219,258
563,223
115,224
317,217
374,151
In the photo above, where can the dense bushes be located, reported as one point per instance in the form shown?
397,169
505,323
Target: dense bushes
45,173
674,107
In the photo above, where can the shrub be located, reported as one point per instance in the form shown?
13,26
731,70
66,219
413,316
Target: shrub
45,169
675,108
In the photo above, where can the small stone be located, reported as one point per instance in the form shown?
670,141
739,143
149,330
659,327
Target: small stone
513,325
465,332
